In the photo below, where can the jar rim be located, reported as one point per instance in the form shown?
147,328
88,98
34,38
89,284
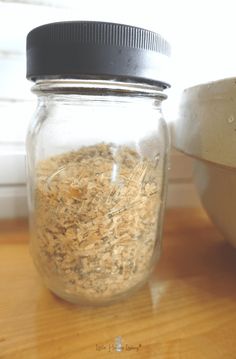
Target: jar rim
94,86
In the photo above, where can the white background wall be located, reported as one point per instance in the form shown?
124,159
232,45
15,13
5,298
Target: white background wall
202,37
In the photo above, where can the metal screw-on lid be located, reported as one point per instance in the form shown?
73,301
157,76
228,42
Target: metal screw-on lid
87,49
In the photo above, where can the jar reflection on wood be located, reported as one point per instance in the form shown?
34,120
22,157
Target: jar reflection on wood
97,153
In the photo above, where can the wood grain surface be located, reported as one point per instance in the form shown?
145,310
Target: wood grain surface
186,311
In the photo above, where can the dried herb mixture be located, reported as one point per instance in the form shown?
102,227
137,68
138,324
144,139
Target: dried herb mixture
96,217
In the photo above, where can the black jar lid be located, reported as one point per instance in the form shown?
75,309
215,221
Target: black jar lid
88,49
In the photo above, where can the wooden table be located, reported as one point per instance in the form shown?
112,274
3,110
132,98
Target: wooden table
187,311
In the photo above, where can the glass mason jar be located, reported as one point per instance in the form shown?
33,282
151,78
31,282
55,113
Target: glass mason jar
97,158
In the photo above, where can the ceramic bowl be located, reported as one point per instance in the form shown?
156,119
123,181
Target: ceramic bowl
206,130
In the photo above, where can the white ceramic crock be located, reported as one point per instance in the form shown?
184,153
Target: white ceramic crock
206,130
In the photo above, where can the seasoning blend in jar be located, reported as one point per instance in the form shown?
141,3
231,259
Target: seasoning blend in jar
97,157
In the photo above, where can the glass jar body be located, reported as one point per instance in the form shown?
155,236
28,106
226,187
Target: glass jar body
97,158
